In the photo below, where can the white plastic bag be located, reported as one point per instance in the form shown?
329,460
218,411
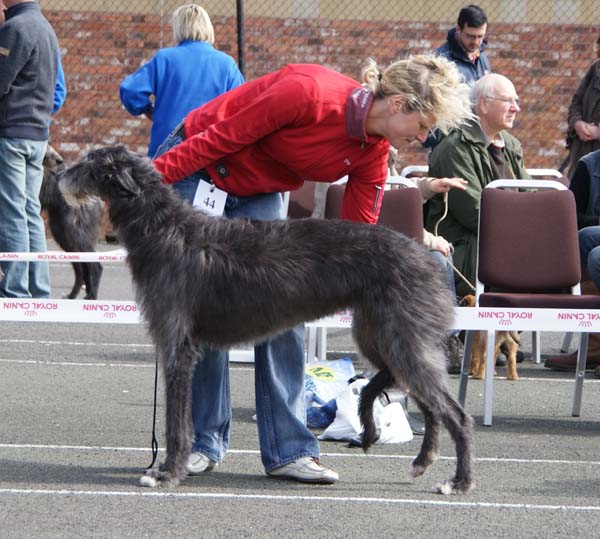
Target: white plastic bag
390,420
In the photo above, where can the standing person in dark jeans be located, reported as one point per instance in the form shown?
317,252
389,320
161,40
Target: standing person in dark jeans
29,56
179,79
268,136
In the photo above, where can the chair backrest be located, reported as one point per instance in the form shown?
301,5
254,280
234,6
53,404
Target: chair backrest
333,201
528,240
302,201
402,210
414,170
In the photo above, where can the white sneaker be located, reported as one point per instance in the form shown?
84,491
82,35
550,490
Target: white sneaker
306,470
199,463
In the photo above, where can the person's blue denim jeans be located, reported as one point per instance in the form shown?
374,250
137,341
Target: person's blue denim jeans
21,226
589,252
279,367
446,263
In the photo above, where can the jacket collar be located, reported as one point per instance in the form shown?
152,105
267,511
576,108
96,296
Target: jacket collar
358,104
15,10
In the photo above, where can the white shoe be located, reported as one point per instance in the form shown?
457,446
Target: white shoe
199,463
306,470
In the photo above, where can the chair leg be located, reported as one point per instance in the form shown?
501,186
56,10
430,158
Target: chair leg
535,346
466,366
580,374
566,344
322,344
488,394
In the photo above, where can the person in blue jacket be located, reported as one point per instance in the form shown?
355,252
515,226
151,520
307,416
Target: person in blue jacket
465,46
179,79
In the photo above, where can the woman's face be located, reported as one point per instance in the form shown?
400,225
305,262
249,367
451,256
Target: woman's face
406,127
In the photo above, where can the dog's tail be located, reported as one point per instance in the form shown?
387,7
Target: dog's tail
379,383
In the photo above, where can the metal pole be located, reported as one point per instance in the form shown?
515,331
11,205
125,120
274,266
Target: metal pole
240,34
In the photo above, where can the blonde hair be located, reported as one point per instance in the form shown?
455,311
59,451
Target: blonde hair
431,85
191,22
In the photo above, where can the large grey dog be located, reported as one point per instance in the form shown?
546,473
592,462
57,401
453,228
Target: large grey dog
206,281
75,229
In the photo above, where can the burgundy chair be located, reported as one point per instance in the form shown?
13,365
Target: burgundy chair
302,201
528,257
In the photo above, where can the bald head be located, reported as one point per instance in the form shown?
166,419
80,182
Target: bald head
496,102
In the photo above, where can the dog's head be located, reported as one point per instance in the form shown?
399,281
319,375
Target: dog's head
111,173
53,161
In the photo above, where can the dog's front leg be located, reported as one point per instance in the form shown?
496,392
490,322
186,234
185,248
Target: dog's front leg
178,363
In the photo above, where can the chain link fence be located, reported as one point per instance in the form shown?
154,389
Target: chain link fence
543,46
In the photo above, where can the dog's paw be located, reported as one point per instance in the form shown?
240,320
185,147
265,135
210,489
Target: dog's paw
417,470
450,486
156,478
419,466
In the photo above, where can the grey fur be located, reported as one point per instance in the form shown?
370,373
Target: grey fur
204,281
74,229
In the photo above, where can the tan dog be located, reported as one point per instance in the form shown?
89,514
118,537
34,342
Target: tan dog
510,338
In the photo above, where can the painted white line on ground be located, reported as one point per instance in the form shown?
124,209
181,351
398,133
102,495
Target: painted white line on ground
91,364
68,343
358,455
151,366
317,499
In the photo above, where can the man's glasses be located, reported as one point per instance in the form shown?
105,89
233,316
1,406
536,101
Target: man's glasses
510,100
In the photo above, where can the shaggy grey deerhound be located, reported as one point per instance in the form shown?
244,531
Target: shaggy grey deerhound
205,281
75,229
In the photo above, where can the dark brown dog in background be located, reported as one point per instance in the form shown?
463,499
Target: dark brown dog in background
509,338
74,229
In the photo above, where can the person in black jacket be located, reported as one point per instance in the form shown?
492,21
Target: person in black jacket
29,56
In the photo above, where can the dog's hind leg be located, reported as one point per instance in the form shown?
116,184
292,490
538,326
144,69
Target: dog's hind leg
77,268
178,369
429,447
92,271
379,383
460,427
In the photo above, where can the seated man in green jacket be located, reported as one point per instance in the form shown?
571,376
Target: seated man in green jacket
479,152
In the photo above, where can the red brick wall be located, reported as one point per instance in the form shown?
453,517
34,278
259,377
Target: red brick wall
545,62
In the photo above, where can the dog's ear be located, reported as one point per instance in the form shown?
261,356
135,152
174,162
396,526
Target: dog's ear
123,181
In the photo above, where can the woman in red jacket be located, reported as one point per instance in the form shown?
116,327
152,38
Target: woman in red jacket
238,152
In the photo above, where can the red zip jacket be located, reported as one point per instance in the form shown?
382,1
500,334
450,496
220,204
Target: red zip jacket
303,122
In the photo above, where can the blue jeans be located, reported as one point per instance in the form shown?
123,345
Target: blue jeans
446,263
279,367
589,252
21,226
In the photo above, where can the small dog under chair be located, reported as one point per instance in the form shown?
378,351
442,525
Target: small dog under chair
271,276
75,229
510,339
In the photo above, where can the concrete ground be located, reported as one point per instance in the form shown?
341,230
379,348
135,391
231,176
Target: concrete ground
76,422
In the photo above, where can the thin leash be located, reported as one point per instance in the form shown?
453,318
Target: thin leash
154,443
435,232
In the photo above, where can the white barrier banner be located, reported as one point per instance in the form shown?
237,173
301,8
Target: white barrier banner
127,312
483,318
69,310
107,257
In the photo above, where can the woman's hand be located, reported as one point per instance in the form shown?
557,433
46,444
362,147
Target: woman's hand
440,244
443,185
